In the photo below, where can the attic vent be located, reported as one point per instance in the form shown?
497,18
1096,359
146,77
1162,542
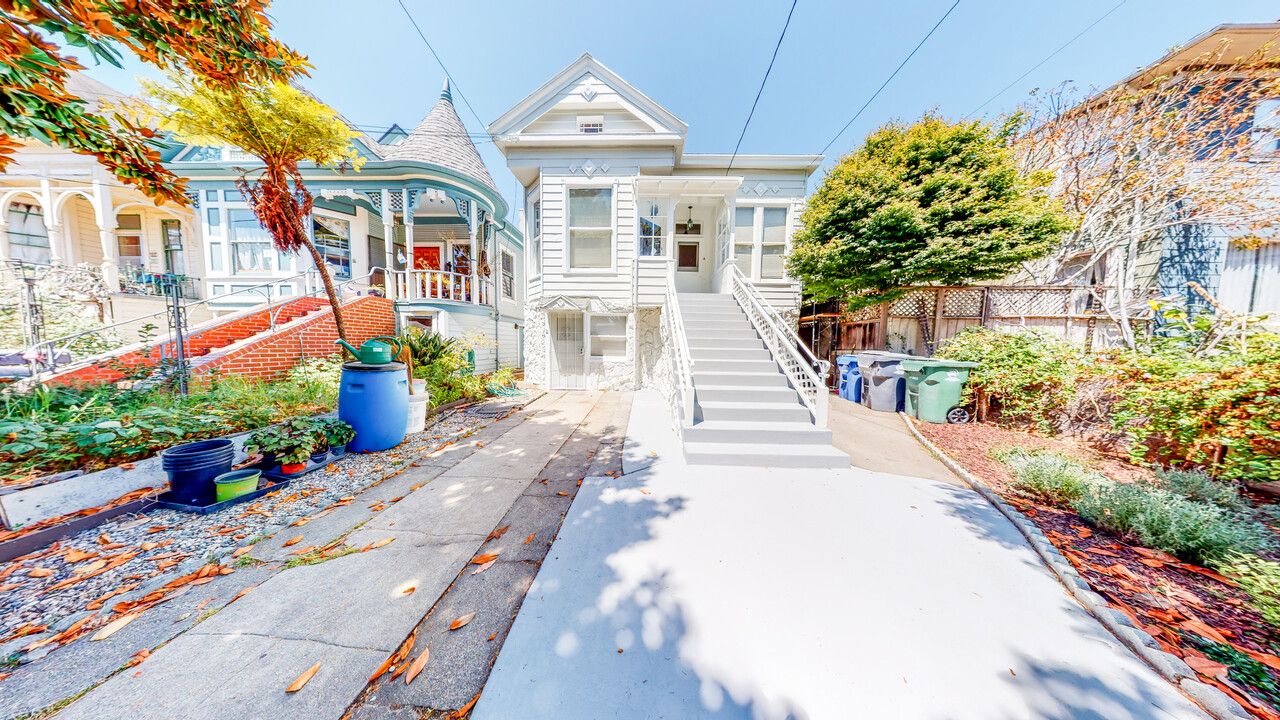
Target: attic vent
590,124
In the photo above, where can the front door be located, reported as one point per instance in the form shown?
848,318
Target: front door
566,351
693,263
427,257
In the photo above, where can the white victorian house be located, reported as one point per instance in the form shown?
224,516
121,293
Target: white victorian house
651,267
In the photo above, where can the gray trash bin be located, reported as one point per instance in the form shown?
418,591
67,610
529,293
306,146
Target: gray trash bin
883,387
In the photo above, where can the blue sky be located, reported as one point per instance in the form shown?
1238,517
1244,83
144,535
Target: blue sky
704,60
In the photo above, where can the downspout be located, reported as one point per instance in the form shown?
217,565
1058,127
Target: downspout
497,298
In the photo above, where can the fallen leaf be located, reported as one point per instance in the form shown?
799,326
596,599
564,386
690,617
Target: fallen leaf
241,594
103,539
619,649
300,522
113,627
138,657
491,637
1151,563
39,572
1205,666
1203,630
10,586
241,550
149,546
127,466
563,494
381,543
528,539
1100,551
479,444
75,556
645,491
409,590
482,559
1155,555
496,534
91,567
201,581
417,666
303,551
462,621
302,679
292,541
483,567
155,529
654,454
462,711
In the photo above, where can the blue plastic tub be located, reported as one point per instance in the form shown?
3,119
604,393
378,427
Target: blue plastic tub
374,401
850,377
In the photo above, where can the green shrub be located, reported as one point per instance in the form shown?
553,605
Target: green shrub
1047,476
1197,486
1156,518
1026,376
1261,579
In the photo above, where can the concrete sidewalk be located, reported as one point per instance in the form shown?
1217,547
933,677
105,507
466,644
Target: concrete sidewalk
703,592
351,612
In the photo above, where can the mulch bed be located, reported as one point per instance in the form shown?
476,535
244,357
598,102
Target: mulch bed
1191,611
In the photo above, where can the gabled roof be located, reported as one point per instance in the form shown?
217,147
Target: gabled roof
393,136
537,102
1225,45
441,139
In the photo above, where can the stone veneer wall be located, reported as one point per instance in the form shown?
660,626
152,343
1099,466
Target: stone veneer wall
537,335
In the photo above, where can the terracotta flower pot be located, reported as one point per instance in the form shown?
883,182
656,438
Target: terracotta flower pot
292,468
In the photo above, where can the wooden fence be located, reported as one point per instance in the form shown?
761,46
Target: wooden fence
920,321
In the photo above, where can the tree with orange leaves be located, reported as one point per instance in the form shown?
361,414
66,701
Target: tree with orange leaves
224,42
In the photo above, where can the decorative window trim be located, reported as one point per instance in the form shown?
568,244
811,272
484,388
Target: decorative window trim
569,227
507,273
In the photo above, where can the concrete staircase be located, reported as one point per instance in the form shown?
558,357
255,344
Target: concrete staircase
746,412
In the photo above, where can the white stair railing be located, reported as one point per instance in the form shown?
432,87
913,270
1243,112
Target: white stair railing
807,373
676,345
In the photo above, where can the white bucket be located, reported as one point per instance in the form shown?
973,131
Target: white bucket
418,403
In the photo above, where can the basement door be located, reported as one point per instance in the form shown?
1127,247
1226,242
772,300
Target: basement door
567,351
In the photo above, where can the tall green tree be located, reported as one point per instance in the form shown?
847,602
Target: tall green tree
225,42
280,125
931,202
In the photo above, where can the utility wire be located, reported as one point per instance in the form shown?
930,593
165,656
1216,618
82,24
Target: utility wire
1047,59
453,83
743,134
891,77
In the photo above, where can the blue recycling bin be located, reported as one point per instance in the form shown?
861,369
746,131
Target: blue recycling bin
850,377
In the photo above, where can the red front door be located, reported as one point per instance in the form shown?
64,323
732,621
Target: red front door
426,258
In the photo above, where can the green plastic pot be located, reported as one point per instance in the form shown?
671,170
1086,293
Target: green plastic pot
236,483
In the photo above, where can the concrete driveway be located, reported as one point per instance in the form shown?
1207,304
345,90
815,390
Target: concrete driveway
700,592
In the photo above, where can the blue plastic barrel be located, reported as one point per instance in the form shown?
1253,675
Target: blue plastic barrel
374,401
850,377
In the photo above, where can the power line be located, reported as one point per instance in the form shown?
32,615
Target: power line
1047,59
891,77
768,70
452,82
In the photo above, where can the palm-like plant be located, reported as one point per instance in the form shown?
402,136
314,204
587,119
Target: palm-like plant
427,347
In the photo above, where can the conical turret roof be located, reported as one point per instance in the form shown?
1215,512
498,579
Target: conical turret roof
441,139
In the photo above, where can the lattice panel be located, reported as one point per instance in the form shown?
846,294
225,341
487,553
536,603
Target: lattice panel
915,303
870,312
962,303
1029,302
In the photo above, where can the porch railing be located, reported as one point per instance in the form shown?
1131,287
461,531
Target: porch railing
677,349
441,285
806,372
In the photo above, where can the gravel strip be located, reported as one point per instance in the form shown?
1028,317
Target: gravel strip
1171,667
187,541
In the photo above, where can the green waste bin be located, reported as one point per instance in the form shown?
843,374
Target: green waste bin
933,389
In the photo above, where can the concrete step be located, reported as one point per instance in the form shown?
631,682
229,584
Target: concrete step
745,343
716,316
764,455
746,394
695,325
729,431
712,333
705,299
758,353
740,379
752,412
736,365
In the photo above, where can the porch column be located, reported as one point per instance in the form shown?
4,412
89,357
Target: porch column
4,236
669,239
410,281
475,257
106,219
53,228
388,245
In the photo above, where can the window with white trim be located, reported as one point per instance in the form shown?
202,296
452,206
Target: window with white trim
590,228
508,274
590,124
744,234
608,336
333,239
535,232
129,239
1266,125
251,248
652,218
773,243
28,237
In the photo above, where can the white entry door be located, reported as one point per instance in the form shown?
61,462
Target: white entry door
567,351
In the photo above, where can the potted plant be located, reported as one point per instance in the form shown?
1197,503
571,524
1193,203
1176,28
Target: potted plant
270,443
337,434
305,441
294,460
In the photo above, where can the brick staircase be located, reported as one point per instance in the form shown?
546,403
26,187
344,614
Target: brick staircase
745,410
244,342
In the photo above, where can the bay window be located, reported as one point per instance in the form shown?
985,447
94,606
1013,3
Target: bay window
652,219
590,228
